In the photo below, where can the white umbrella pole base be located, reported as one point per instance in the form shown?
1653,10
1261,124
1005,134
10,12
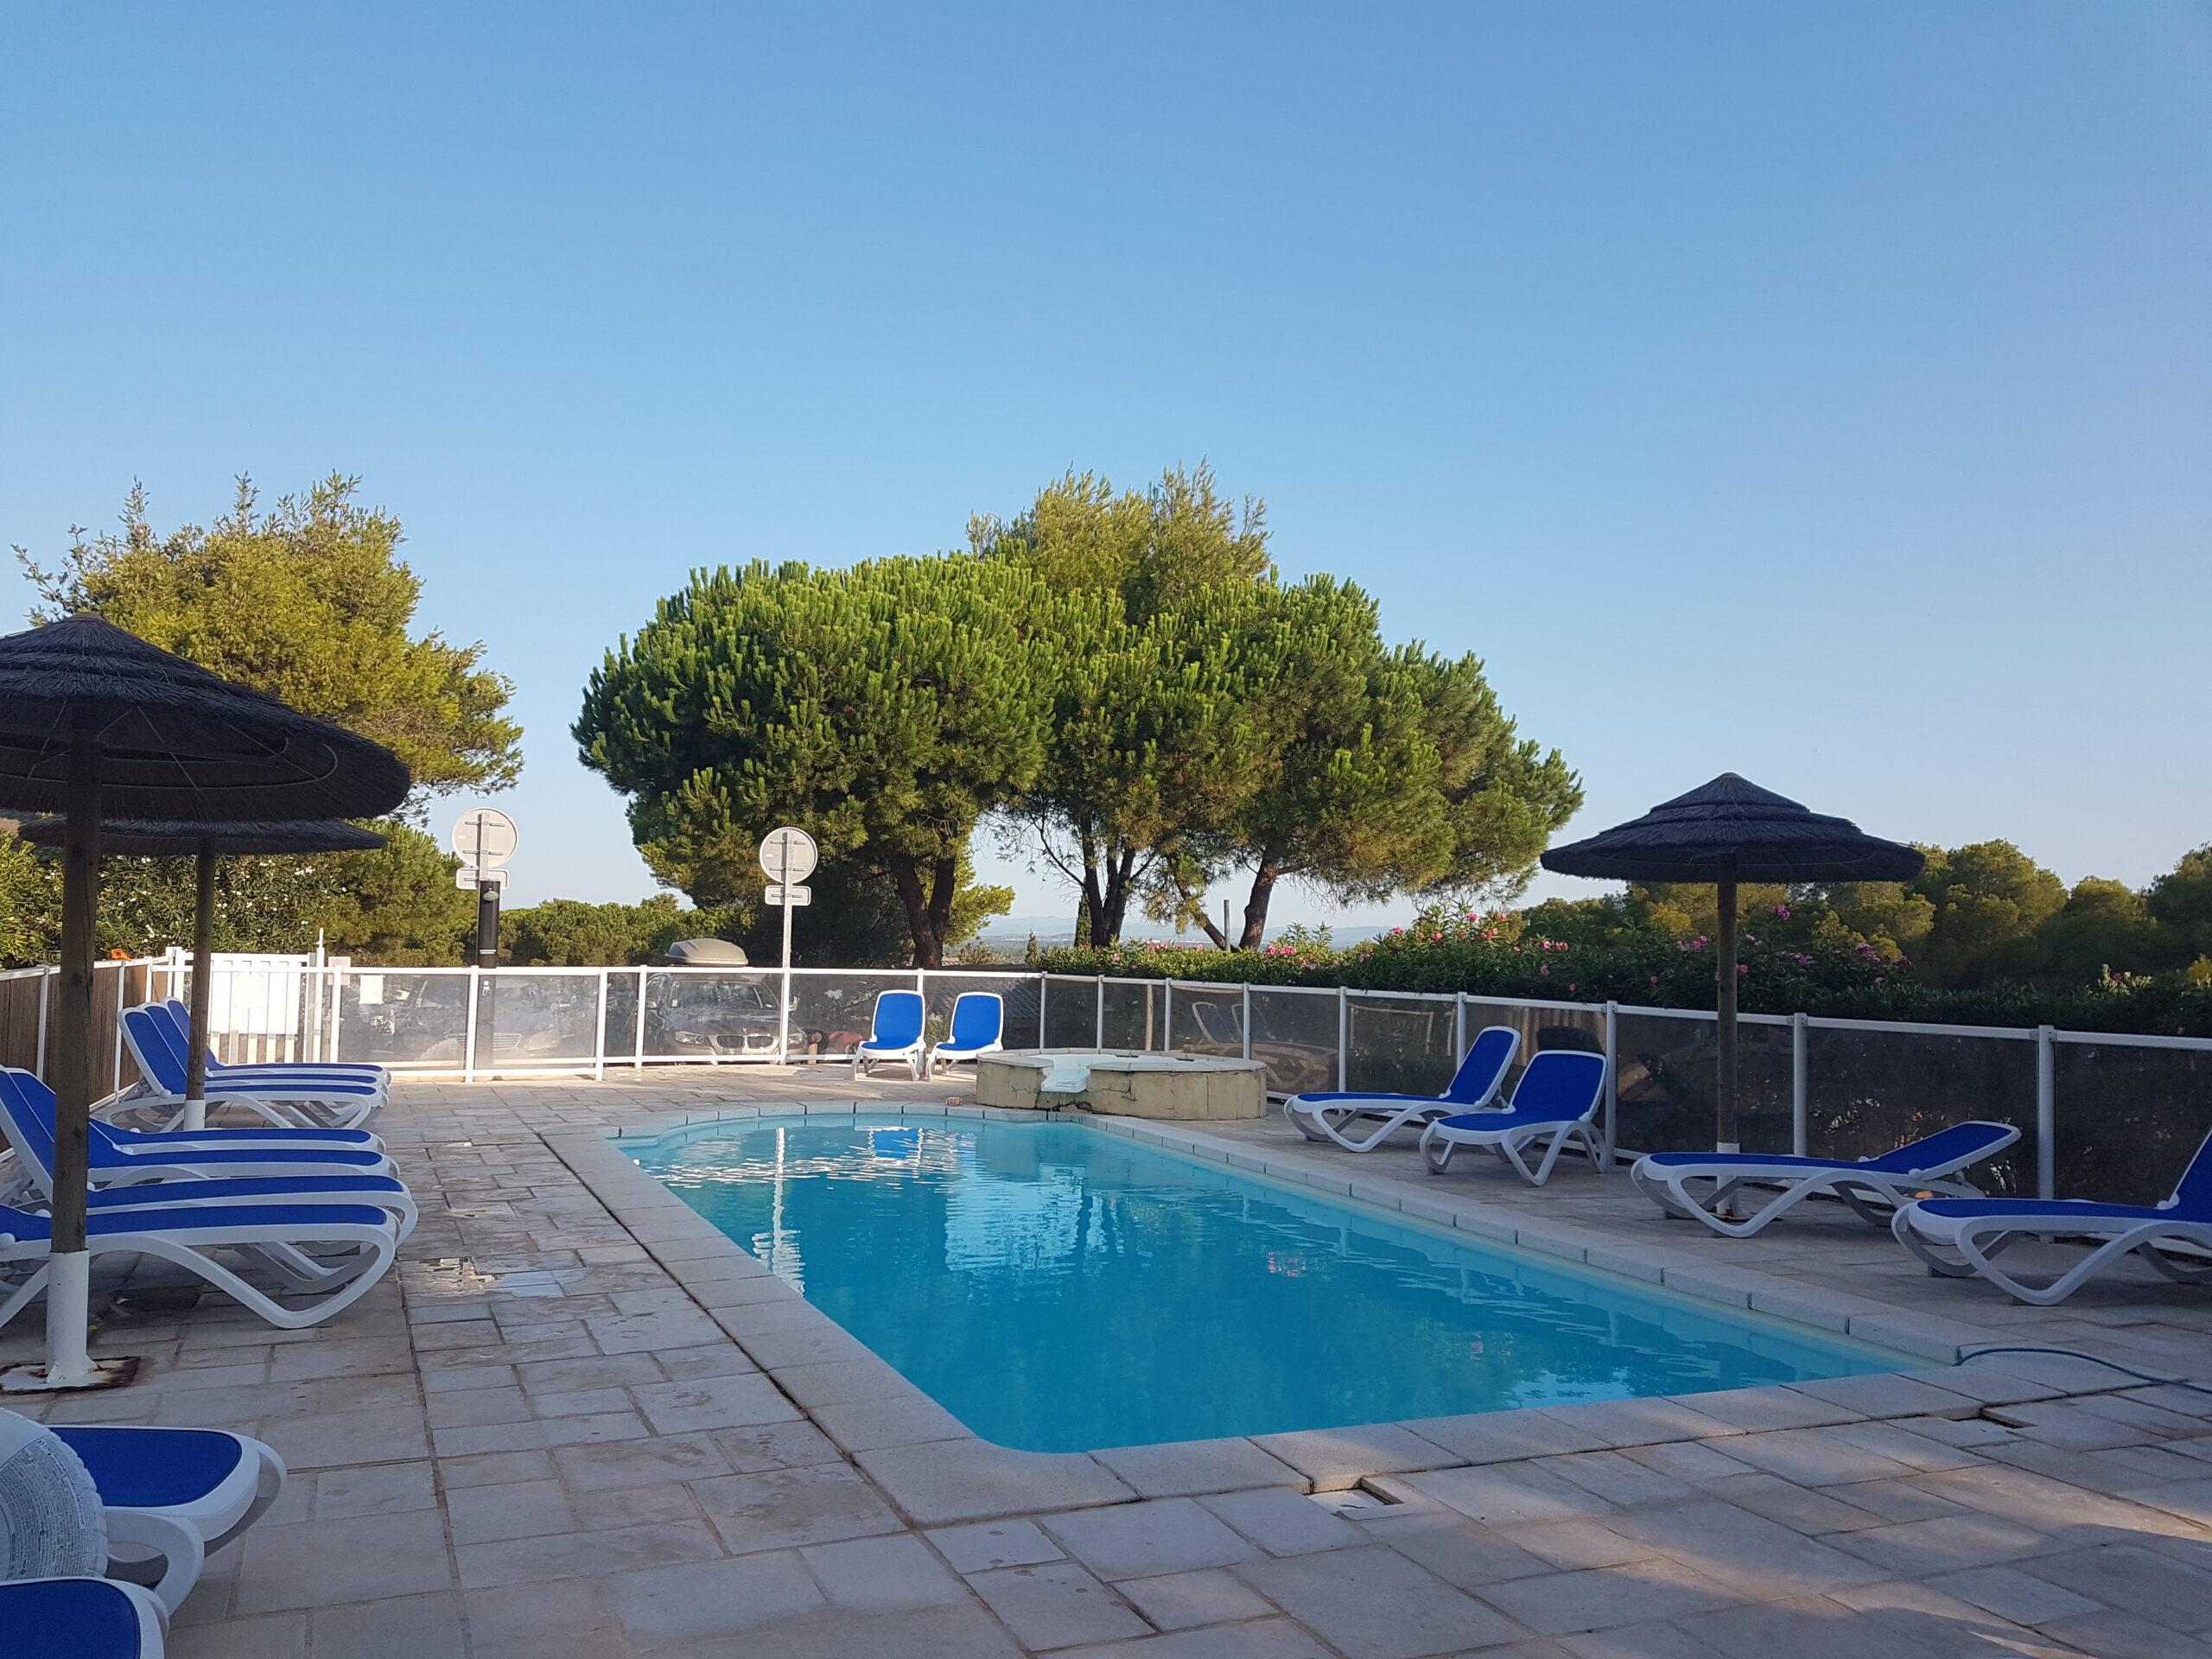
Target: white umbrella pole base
98,1374
68,1368
195,1116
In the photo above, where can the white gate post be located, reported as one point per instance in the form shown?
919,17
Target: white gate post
1343,1037
637,1058
1098,1038
469,1045
599,1034
1613,1080
1245,1026
1800,1089
2046,1115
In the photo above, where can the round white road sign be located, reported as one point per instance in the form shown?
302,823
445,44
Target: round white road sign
788,854
483,836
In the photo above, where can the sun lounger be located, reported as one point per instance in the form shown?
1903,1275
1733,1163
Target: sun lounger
301,1100
155,1484
1554,1102
978,1023
286,1238
122,1157
178,1020
1706,1186
1378,1116
894,1033
1958,1238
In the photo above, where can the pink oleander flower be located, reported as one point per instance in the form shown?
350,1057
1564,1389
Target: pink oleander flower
1545,970
1782,911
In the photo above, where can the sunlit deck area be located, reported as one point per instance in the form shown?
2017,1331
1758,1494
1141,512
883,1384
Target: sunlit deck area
569,1428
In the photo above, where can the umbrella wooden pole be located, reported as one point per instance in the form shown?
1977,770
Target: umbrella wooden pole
1724,957
68,1302
203,958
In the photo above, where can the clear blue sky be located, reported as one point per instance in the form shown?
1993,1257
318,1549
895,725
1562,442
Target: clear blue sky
1823,391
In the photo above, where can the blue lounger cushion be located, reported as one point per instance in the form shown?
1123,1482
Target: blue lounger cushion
302,1218
247,1189
76,1618
1942,1150
154,1468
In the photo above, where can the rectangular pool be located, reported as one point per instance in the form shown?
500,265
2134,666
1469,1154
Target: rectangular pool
1060,1289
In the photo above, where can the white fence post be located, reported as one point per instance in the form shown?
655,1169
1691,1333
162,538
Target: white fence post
1245,1025
337,1007
468,1043
599,1033
2046,1115
1044,984
1612,1075
1167,1019
1458,1028
1343,1037
1800,1090
638,1060
1098,1039
45,995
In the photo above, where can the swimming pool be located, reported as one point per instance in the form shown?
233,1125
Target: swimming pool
1059,1288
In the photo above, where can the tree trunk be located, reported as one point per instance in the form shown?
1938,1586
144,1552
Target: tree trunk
905,876
1256,905
1110,914
944,885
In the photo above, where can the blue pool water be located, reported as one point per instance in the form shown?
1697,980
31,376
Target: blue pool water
1060,1289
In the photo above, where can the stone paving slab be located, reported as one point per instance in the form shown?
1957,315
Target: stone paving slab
579,1422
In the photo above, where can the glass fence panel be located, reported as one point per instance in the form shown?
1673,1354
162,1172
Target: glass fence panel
1136,1015
1294,1037
1209,1019
1666,1066
400,1016
1071,1013
725,1014
1400,1044
620,1019
1869,1091
1539,1028
1017,994
833,1013
2128,1118
526,1019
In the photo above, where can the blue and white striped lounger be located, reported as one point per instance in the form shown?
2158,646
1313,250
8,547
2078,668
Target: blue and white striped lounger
1557,1097
1959,1238
303,1100
1706,1185
1330,1116
178,1019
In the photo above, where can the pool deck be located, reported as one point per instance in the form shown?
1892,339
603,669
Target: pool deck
578,1424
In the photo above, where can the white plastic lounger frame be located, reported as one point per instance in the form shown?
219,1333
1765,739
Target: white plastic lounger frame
1554,1104
1705,1186
1483,1069
280,1235
1960,1238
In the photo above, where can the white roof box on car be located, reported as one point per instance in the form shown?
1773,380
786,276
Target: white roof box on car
706,953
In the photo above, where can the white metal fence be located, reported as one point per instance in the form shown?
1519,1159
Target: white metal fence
2102,1115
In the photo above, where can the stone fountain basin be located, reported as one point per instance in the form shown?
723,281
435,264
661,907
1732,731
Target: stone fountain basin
1183,1088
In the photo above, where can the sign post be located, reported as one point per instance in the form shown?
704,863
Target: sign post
483,836
788,856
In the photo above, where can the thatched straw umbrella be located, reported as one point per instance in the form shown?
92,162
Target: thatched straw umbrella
96,724
138,838
1729,831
